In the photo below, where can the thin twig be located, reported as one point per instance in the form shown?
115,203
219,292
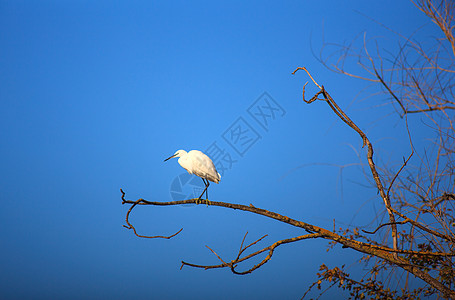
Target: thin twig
382,225
303,68
216,254
130,226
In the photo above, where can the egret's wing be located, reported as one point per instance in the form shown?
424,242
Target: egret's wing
203,166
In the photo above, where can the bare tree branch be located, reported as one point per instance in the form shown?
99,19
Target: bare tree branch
130,226
340,113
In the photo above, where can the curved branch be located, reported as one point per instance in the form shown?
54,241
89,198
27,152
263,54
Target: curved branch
271,249
341,114
233,263
130,226
382,225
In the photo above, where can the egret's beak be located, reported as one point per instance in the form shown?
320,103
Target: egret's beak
170,157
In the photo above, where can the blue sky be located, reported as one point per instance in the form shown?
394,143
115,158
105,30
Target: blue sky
95,95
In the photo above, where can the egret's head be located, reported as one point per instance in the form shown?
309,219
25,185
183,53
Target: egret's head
178,153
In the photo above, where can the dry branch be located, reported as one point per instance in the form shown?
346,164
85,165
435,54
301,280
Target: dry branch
383,252
340,113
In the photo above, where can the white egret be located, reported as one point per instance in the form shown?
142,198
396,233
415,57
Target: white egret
199,164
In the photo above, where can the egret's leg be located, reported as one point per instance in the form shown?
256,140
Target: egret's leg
206,186
206,182
207,191
199,199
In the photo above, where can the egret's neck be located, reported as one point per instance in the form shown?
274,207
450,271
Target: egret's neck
183,161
